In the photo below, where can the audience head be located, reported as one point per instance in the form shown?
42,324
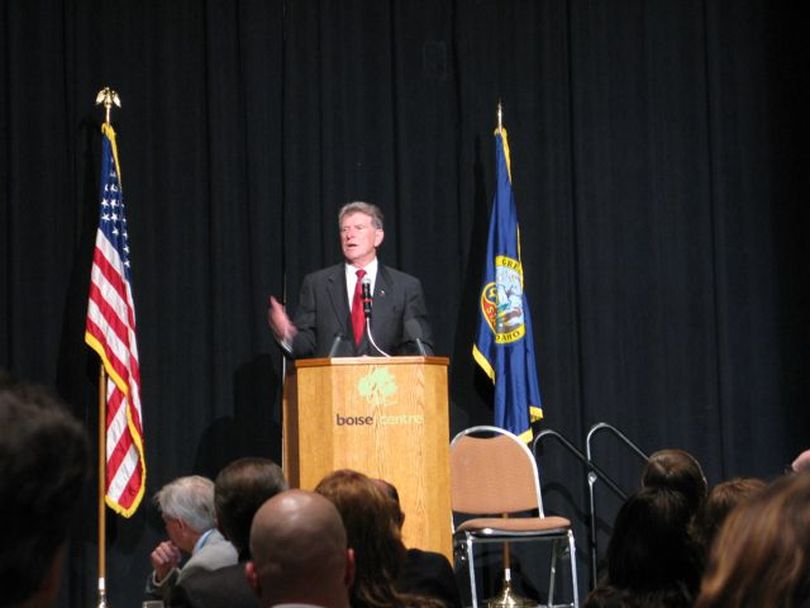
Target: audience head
187,507
373,531
721,500
761,556
650,550
239,490
43,467
676,470
299,552
390,490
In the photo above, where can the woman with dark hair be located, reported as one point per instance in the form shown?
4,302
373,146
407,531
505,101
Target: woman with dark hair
761,556
373,533
677,470
652,562
721,501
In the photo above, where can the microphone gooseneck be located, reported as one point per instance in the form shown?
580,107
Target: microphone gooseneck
335,345
366,295
414,333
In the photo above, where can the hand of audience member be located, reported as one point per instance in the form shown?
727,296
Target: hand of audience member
164,559
279,322
802,462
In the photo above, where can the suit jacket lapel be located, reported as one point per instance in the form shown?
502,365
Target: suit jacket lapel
383,295
339,299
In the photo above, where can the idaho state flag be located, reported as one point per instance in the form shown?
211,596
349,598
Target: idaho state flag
504,346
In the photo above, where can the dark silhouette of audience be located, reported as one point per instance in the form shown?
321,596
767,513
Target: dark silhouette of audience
423,572
652,561
300,553
721,501
239,490
374,535
43,468
677,470
761,556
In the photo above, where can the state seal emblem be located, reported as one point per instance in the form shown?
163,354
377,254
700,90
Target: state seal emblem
502,301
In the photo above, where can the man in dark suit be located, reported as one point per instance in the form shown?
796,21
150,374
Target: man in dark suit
330,320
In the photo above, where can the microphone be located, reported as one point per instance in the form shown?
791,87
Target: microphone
366,286
335,345
413,330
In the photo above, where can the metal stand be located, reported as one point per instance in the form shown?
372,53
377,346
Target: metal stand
508,598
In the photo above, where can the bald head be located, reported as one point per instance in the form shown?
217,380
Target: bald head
299,551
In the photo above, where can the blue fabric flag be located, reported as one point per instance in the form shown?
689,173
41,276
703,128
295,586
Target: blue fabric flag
504,346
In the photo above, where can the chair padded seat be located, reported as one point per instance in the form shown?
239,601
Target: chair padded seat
515,524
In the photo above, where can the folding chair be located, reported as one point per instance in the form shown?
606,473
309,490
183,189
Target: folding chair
493,475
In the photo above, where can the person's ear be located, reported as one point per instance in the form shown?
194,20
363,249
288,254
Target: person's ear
378,236
351,569
253,578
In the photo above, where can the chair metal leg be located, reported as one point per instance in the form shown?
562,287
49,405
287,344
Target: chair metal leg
553,572
572,553
557,551
471,566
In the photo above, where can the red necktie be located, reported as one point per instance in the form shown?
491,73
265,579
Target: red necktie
358,318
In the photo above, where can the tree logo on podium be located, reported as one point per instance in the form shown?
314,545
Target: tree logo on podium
378,387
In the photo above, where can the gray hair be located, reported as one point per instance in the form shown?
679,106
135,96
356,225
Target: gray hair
369,209
190,499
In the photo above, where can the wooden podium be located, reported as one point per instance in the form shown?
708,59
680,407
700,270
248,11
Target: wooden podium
385,417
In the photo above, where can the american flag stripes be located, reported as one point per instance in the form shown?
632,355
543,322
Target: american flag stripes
110,331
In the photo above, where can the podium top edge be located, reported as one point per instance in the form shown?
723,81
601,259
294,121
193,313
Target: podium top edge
406,360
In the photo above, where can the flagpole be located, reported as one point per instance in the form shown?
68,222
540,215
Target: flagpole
102,487
108,97
508,597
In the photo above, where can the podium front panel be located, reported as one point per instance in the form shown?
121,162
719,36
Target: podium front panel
387,418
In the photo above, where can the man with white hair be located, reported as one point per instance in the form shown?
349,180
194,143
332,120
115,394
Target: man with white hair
187,507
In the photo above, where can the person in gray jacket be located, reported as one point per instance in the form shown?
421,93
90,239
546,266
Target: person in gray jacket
187,507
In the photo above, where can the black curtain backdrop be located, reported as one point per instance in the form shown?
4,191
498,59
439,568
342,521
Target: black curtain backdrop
658,166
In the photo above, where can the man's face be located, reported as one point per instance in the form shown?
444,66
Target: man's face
173,530
359,238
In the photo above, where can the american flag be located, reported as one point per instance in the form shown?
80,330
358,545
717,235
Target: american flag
110,331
